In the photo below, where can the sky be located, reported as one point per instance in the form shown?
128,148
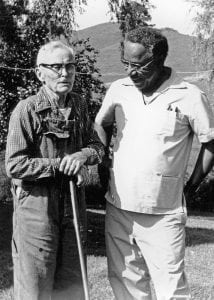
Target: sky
176,14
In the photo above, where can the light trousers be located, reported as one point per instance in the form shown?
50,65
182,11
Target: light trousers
143,247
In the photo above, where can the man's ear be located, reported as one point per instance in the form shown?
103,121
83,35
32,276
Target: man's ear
40,74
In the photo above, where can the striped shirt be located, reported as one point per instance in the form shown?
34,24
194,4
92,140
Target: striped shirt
39,136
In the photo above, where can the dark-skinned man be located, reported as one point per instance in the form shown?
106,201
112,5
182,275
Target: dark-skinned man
156,115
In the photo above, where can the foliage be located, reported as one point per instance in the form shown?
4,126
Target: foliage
203,44
23,29
88,83
130,14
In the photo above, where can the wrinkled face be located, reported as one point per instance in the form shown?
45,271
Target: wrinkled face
140,66
57,70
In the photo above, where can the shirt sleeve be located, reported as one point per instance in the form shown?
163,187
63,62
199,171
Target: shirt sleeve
106,114
202,117
93,147
20,159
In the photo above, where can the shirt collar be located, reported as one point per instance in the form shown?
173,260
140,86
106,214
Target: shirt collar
175,81
46,99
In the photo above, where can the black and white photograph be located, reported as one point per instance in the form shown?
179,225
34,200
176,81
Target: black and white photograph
106,150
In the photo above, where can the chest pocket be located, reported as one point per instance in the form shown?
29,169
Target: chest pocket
168,123
58,128
57,135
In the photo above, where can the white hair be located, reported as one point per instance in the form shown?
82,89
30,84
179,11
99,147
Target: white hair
49,48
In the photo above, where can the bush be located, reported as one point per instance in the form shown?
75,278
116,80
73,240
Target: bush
5,192
30,28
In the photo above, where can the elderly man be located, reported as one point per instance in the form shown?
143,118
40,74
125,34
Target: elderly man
50,139
157,115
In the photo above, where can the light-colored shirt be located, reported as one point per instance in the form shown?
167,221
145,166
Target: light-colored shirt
153,142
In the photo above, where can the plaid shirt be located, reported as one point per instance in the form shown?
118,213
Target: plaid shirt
39,136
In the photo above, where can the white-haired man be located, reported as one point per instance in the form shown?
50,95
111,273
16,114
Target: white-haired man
50,139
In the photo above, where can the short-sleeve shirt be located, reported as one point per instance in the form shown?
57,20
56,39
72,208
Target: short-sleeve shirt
153,142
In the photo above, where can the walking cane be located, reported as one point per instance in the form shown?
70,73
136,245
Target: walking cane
79,243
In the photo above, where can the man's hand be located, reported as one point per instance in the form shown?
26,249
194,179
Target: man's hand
203,166
71,163
83,177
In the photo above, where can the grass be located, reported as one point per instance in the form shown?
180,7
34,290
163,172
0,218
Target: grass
199,255
199,250
200,227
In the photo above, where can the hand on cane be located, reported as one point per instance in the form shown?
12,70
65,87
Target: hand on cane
83,177
71,163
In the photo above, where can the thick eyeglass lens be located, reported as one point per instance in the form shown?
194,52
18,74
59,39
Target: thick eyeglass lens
58,68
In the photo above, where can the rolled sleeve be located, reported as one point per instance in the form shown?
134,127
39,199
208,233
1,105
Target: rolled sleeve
202,118
105,116
92,148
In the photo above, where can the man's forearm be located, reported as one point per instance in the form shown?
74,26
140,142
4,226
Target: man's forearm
31,168
203,166
104,133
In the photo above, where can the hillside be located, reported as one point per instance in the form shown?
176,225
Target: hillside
106,38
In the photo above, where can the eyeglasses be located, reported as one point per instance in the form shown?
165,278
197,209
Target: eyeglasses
57,68
142,68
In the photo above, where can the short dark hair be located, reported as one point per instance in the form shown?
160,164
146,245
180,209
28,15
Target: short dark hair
151,38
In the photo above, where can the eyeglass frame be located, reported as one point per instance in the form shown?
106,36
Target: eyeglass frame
137,66
59,72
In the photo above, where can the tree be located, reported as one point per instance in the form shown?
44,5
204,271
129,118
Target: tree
130,14
23,29
9,78
203,44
